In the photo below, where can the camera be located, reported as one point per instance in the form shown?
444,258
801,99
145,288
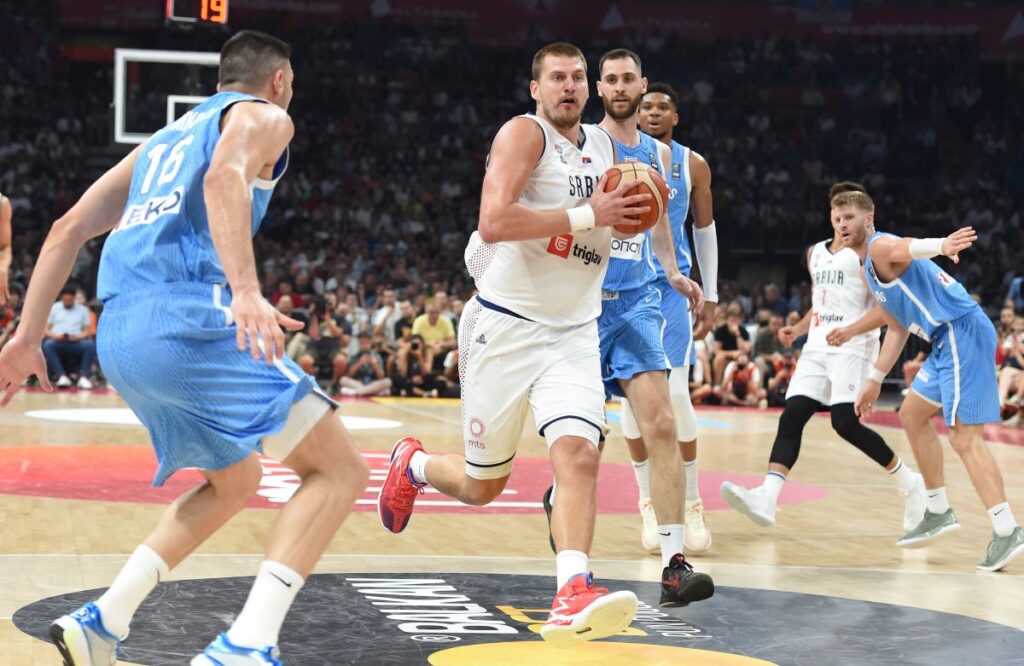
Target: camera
415,346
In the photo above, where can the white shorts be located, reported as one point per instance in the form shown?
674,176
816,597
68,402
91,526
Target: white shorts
509,365
829,378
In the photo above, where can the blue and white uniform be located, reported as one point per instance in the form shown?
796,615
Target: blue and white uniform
631,325
960,373
166,339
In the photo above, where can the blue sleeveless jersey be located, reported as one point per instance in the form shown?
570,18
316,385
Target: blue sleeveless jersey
631,265
923,299
163,234
678,179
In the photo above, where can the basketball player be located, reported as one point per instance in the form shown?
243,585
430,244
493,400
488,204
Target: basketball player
182,210
959,377
529,339
828,375
5,249
689,182
633,358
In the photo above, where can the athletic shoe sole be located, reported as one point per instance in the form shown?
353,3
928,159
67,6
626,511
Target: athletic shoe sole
71,643
702,587
380,493
1010,557
921,542
735,501
605,617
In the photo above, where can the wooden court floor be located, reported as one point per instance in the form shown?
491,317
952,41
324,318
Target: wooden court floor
74,503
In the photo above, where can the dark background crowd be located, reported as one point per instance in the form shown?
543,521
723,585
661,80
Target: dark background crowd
393,122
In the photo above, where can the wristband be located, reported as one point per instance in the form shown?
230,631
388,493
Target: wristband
876,375
925,248
581,218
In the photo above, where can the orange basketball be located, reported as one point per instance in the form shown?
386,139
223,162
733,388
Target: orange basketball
640,179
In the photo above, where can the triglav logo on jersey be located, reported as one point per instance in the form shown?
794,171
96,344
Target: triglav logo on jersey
562,246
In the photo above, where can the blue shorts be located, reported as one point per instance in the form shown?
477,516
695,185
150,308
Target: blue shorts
960,373
678,325
630,328
170,353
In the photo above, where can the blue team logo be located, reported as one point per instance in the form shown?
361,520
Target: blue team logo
677,170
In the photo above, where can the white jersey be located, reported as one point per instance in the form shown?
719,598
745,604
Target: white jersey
554,281
840,298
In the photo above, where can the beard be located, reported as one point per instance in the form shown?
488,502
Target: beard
563,118
630,111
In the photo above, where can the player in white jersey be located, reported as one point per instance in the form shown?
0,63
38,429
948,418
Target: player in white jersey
528,341
5,249
689,180
829,375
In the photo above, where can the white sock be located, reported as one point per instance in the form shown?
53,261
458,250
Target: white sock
1003,522
692,490
671,538
271,596
418,465
569,563
773,482
642,472
937,502
903,476
143,570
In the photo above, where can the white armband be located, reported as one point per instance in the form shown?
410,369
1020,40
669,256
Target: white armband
876,375
705,243
926,248
581,218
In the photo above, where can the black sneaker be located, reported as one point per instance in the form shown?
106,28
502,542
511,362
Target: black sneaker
546,500
681,585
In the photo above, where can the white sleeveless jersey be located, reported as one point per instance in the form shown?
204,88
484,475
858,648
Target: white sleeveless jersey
840,298
554,281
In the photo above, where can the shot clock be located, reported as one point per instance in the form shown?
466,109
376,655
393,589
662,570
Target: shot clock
202,13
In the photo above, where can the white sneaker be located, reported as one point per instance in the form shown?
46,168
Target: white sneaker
63,381
697,538
751,503
914,502
649,532
84,383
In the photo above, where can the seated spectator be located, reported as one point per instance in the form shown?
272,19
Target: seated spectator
403,327
295,342
412,374
67,335
1011,374
365,371
328,335
741,383
731,340
767,347
387,314
438,334
1016,293
700,374
10,315
782,369
286,288
774,301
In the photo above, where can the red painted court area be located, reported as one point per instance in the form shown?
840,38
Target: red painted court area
123,474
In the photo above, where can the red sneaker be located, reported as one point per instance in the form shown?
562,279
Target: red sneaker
582,612
399,490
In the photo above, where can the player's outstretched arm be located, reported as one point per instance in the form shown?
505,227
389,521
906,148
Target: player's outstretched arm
517,147
95,213
872,319
254,136
892,347
705,238
897,252
5,249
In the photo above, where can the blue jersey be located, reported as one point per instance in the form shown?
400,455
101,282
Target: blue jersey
679,186
631,265
163,234
923,299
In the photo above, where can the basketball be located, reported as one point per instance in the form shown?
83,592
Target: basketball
641,179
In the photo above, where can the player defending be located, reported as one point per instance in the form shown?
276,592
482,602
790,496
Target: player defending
633,358
689,183
529,339
829,375
182,210
958,378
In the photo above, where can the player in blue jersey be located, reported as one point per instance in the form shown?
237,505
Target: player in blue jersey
689,182
198,354
631,326
958,379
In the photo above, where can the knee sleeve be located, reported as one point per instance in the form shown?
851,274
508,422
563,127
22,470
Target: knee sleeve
799,410
682,407
630,428
849,427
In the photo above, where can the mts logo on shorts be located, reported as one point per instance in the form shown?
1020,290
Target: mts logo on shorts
562,246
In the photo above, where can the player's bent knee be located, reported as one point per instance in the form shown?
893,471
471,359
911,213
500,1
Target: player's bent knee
844,420
238,482
480,492
575,456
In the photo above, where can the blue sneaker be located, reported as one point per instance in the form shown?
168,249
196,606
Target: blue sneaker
83,640
222,652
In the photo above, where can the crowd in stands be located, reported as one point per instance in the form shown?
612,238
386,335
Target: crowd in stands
365,233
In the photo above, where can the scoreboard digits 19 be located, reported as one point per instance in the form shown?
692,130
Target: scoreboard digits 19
198,12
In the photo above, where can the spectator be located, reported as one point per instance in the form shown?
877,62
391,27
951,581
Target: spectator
365,371
437,332
10,315
774,301
403,327
413,375
286,288
731,340
741,384
767,347
329,334
387,315
67,335
782,369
